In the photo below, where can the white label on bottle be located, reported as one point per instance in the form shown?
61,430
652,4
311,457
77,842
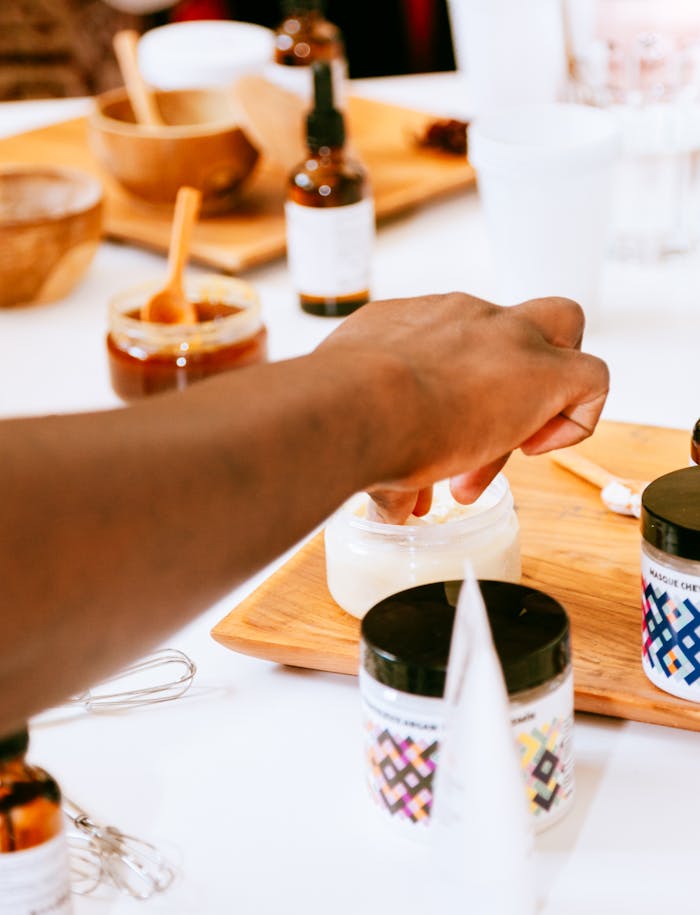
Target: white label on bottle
35,881
329,249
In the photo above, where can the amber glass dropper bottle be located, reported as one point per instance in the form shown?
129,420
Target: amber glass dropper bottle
305,35
330,214
34,872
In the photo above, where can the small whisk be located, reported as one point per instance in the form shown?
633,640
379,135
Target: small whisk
105,855
142,690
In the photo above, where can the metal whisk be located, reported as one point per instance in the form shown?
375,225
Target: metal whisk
105,855
141,687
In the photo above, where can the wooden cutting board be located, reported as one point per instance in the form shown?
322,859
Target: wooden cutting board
403,176
573,548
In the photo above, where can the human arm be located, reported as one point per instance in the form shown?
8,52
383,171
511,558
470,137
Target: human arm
118,527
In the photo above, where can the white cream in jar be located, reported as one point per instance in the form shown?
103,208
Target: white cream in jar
367,561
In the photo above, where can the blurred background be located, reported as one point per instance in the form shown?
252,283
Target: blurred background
62,48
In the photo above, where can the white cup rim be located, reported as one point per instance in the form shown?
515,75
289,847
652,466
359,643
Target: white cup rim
560,136
203,52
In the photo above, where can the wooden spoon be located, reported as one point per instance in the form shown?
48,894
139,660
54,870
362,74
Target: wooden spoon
170,305
619,494
140,95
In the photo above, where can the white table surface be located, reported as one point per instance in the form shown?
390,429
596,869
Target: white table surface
255,781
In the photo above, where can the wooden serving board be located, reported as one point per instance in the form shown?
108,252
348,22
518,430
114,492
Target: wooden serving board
403,176
573,548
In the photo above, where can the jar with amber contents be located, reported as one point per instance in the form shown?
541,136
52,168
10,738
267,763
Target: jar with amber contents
304,37
147,357
34,870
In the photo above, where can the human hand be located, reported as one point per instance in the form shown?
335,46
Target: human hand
479,381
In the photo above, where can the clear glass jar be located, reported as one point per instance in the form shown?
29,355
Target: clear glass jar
368,560
671,583
404,653
638,59
147,357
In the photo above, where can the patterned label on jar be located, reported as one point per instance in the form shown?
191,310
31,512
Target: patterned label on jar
544,734
35,881
670,625
401,757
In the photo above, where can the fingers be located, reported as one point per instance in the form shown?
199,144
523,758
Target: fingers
394,506
467,487
560,321
424,500
588,380
564,430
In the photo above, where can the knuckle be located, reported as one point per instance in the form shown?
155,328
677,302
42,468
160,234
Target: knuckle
575,309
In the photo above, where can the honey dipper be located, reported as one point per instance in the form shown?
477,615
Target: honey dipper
171,305
620,495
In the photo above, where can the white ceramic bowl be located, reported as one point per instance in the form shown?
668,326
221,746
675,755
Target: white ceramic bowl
203,54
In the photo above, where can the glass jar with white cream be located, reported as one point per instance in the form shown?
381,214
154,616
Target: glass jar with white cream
367,561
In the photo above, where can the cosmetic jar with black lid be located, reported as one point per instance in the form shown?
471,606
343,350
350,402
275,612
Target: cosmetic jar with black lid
670,523
405,643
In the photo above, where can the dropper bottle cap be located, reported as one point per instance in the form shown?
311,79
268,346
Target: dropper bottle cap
325,125
13,745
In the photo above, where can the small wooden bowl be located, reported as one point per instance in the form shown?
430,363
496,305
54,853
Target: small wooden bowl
50,227
200,145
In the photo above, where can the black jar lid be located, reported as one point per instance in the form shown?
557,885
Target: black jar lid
13,745
406,637
671,513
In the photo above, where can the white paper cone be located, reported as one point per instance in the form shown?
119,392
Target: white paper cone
482,835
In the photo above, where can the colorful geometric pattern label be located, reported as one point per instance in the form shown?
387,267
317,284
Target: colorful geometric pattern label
402,752
543,725
544,760
670,627
401,771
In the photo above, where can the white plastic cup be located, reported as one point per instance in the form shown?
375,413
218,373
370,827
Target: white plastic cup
203,54
512,51
544,174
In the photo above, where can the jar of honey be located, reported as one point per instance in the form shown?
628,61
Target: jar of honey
147,357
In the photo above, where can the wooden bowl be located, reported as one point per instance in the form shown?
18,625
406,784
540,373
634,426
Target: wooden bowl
50,227
200,145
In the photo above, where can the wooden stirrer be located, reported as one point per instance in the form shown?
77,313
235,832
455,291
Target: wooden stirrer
140,95
170,305
619,494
